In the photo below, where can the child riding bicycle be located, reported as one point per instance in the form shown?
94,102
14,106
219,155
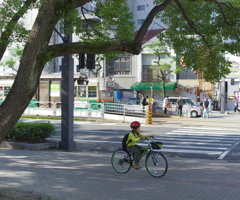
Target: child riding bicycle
134,137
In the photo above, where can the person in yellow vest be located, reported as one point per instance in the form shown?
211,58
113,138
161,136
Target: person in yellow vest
151,100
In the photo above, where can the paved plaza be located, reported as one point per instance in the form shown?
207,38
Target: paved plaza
61,175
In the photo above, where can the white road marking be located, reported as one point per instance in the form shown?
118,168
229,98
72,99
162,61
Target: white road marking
203,137
108,124
202,132
196,140
190,151
227,151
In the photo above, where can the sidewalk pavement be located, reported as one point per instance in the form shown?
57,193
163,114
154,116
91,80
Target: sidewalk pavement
216,120
62,175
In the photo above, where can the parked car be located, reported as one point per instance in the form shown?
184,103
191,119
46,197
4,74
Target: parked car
189,106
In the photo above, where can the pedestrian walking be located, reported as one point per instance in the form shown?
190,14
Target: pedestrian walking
206,108
153,104
180,106
145,101
165,104
236,105
210,105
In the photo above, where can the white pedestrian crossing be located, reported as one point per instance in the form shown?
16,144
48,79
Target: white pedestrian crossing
200,141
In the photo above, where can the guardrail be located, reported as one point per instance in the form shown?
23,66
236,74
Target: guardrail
89,110
44,108
125,109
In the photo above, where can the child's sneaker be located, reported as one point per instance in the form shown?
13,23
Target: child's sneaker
136,167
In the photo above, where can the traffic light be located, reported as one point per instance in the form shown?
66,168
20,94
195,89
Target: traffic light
81,59
90,61
232,81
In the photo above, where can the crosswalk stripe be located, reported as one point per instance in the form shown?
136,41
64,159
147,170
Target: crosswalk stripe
108,124
197,143
211,129
196,132
196,140
198,135
190,151
194,147
203,137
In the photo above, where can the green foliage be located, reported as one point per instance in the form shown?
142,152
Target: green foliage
31,132
16,51
16,54
115,22
8,11
9,62
161,67
203,32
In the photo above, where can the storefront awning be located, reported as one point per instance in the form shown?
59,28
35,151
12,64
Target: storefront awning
154,85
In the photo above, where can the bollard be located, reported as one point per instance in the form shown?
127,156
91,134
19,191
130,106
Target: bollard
149,114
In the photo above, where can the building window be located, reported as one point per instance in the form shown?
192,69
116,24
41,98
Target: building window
4,91
92,91
148,75
140,21
119,66
187,74
152,75
141,7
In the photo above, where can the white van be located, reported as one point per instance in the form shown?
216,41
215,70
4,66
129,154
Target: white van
190,107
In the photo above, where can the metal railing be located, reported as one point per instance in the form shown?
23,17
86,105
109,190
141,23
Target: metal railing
83,109
125,109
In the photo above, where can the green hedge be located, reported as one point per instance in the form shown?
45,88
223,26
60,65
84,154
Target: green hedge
31,132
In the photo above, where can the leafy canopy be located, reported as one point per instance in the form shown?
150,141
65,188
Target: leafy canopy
203,32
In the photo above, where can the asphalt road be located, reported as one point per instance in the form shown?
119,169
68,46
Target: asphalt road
179,141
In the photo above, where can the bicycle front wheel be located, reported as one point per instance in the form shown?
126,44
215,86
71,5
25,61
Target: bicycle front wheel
156,164
121,161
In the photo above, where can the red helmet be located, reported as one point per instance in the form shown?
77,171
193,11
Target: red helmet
135,124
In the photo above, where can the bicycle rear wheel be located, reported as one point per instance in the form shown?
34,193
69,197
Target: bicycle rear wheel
156,164
121,161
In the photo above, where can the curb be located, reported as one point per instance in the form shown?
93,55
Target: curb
20,145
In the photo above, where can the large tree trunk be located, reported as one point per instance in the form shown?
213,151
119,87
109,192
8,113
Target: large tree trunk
31,65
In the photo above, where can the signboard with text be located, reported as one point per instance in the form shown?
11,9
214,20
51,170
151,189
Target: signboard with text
55,90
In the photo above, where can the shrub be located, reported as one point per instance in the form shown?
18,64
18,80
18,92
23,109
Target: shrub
31,132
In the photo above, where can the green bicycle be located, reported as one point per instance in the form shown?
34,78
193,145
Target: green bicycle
155,163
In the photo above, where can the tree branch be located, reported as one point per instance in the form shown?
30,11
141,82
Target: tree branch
92,48
142,31
4,39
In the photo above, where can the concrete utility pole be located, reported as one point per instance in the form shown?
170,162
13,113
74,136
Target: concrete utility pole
67,99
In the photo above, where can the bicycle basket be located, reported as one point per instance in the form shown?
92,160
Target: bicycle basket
156,145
